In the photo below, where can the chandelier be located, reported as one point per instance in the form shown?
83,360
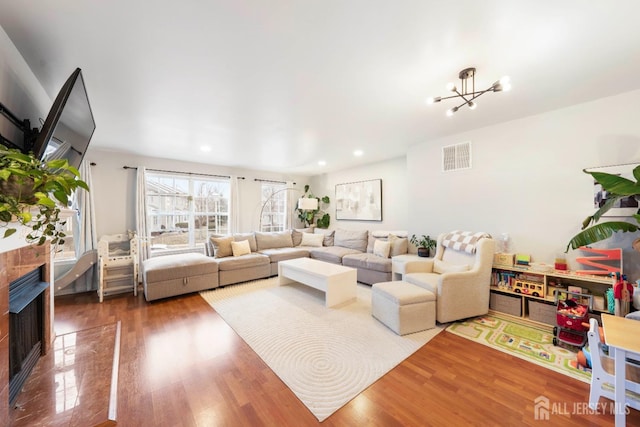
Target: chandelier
467,90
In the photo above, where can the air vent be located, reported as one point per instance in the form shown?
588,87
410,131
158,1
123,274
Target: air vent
456,157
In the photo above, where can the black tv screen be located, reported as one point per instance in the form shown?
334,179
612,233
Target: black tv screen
69,125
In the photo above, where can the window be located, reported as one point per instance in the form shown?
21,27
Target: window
274,210
183,210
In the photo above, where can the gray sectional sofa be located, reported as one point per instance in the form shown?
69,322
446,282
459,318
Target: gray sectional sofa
250,256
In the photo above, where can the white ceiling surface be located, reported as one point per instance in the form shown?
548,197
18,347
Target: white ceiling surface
278,85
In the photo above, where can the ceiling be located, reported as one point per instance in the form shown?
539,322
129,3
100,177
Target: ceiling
278,85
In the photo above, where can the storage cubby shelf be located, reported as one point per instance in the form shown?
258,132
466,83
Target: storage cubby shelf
540,309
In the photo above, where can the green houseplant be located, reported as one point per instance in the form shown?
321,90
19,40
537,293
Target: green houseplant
618,188
425,244
307,216
32,191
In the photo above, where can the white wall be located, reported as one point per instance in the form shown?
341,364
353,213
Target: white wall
527,177
21,93
394,193
114,188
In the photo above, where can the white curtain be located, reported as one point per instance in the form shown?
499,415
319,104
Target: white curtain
292,199
234,202
84,226
144,251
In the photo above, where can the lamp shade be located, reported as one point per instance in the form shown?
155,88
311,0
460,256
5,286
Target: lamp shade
308,204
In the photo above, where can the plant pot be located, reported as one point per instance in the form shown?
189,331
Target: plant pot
423,252
20,188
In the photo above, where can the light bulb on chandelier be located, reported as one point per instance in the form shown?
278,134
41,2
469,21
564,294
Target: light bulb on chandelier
468,92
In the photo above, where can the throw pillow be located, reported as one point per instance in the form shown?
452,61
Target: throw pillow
371,240
328,235
222,246
399,246
250,237
240,248
296,234
381,248
442,267
311,239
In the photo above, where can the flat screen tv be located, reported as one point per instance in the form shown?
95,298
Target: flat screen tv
69,125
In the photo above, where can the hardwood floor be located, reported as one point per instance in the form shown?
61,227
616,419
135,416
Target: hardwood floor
182,365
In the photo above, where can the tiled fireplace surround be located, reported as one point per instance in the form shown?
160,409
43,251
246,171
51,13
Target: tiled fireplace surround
14,264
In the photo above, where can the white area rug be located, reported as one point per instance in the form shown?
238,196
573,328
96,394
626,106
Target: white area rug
326,356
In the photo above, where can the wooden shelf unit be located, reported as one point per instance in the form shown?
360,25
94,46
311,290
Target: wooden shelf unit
519,304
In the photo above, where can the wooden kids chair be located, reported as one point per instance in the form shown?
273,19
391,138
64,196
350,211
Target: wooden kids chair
602,373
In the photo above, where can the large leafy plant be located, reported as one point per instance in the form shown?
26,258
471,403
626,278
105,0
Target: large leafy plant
307,216
618,188
32,191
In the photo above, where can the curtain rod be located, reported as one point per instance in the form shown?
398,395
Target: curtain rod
270,180
184,173
613,166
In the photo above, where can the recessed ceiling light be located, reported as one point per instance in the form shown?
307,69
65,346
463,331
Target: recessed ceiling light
358,153
205,148
322,163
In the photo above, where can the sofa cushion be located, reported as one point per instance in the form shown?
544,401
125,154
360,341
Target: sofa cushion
281,239
328,235
240,248
332,254
296,234
246,261
312,240
352,239
367,261
442,267
399,245
282,254
177,266
381,248
428,281
250,237
222,246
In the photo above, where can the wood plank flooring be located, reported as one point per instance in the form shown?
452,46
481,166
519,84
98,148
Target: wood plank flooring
182,365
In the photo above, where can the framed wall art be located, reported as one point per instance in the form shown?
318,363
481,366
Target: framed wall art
624,207
359,201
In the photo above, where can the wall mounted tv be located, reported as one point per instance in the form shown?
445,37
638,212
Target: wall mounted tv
69,125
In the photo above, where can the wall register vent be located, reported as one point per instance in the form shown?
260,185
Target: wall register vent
456,157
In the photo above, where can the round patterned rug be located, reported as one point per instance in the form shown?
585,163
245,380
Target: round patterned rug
326,356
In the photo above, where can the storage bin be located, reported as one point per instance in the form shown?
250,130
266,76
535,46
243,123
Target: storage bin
542,312
505,304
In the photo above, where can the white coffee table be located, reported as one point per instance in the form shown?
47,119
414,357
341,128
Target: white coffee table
337,282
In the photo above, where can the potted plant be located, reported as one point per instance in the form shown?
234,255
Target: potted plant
425,245
307,216
618,188
32,191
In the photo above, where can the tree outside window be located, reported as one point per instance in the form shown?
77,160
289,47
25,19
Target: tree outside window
274,213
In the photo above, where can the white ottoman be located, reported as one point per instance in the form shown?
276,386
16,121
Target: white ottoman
403,307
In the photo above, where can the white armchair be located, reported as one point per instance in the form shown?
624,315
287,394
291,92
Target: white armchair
460,280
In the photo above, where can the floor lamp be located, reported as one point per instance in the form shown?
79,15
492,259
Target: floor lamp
304,203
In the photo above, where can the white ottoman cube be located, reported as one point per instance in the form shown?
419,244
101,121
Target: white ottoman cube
403,307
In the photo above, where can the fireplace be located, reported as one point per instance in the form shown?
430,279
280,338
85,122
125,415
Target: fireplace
35,308
26,327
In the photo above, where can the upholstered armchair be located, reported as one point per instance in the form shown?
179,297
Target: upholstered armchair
459,275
